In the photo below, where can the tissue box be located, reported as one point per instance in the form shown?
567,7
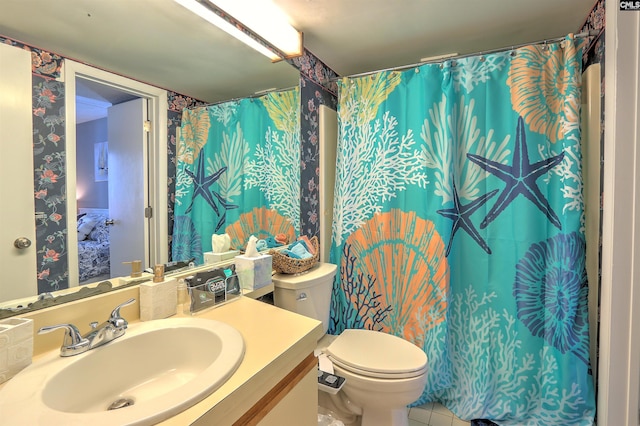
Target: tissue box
158,300
253,272
16,346
211,257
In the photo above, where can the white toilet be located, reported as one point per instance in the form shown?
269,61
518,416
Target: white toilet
384,373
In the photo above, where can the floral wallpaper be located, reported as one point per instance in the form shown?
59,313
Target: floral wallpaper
314,69
49,160
312,95
317,87
595,21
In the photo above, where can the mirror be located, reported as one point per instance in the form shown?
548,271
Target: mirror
239,72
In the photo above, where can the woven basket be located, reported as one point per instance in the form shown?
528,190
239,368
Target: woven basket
284,264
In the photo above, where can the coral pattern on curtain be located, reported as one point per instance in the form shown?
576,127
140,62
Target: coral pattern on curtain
237,172
459,226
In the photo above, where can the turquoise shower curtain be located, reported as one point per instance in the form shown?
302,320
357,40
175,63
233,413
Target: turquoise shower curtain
237,172
459,225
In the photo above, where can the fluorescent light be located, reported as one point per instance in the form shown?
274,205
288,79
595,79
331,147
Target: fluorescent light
267,20
260,17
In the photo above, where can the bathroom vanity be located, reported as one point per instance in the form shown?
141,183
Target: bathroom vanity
275,384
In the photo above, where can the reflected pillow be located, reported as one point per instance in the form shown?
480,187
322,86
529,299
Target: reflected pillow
100,232
85,225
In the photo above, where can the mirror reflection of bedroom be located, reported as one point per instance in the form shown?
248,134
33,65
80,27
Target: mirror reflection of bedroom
95,193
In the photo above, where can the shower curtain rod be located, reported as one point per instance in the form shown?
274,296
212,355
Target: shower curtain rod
255,95
590,33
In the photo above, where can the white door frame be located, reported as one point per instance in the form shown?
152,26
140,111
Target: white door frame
619,364
158,241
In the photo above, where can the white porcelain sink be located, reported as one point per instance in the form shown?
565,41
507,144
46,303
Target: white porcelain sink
162,367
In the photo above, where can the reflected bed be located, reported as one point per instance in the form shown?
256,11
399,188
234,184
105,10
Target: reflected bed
93,244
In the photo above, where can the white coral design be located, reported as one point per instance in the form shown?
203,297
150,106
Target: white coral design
439,129
570,172
233,151
436,347
373,164
470,72
276,171
224,112
500,384
184,182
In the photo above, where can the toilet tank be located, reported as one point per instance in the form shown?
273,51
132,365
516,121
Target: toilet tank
307,293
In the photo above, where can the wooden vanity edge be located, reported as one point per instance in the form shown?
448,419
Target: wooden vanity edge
260,409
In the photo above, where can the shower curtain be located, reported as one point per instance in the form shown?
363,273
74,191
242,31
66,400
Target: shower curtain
459,226
237,172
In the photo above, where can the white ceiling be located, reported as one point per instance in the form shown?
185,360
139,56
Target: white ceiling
356,36
93,100
161,43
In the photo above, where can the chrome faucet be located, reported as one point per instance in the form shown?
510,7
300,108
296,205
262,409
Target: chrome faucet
74,343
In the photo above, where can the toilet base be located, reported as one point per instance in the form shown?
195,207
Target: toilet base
334,405
342,409
373,417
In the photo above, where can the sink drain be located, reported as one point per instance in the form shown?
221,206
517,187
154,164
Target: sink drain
120,403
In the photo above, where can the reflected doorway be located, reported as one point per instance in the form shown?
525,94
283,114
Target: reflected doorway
103,152
109,138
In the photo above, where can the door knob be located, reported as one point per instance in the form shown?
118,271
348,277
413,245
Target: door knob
22,243
108,222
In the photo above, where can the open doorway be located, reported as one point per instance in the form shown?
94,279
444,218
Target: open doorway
99,254
116,138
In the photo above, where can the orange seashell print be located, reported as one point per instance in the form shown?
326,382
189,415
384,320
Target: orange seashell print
406,257
195,131
543,90
262,223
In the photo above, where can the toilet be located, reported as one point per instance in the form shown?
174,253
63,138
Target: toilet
384,373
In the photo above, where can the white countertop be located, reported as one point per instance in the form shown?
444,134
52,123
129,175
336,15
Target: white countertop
276,341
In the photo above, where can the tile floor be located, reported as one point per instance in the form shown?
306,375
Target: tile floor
433,414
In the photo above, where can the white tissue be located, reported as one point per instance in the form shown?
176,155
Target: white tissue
220,243
325,364
251,247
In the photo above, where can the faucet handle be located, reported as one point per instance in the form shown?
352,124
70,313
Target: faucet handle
115,317
73,342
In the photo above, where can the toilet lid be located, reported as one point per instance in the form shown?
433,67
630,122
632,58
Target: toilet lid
377,354
309,278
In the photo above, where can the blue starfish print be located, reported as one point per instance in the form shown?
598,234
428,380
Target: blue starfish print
461,218
226,206
201,184
520,178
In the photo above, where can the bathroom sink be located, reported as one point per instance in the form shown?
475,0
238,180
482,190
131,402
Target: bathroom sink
156,370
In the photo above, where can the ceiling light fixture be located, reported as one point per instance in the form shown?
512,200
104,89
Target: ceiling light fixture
258,23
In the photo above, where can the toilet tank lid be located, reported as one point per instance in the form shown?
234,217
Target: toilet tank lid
320,271
377,352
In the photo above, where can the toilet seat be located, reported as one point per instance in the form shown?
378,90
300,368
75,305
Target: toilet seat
376,354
